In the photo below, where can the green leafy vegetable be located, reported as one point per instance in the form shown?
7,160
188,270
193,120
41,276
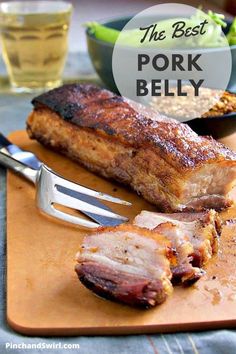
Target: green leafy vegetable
102,32
218,18
231,36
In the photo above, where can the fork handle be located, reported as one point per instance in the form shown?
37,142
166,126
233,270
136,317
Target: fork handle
18,167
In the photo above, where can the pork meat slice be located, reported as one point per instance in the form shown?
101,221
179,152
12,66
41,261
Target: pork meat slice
127,264
194,236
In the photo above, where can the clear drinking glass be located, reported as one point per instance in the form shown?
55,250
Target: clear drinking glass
34,36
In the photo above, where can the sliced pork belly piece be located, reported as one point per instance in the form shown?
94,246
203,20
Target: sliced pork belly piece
193,235
182,268
160,158
127,264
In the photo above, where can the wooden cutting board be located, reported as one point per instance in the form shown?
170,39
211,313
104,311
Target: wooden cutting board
44,296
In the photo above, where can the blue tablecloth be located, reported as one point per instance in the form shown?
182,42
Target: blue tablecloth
13,112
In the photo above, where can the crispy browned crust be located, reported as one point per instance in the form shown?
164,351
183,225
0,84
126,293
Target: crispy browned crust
88,106
156,156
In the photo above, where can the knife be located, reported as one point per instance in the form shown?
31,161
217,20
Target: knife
29,159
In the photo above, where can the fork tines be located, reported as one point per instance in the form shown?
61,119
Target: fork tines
58,188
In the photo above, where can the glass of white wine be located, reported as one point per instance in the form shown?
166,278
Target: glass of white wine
34,38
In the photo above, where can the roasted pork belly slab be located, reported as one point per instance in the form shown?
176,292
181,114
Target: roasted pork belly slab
127,264
194,236
160,158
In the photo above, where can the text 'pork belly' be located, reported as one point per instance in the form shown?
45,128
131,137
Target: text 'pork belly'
160,158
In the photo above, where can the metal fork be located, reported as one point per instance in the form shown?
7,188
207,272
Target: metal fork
49,187
31,160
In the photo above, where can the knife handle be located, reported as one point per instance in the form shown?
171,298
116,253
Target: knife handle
6,145
26,157
4,142
18,167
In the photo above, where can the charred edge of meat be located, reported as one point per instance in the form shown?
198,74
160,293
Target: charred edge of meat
65,100
170,137
186,275
185,270
120,287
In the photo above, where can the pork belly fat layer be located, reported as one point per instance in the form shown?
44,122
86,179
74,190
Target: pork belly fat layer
163,160
126,264
182,268
198,233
